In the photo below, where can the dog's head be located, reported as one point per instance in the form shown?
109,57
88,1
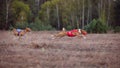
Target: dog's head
14,30
83,32
28,29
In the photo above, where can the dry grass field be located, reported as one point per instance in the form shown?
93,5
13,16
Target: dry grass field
39,50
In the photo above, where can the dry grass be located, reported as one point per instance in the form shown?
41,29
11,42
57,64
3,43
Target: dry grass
38,50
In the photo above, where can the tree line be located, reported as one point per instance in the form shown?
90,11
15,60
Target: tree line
55,14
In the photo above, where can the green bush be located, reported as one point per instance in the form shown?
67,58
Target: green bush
38,25
117,29
69,27
21,25
96,26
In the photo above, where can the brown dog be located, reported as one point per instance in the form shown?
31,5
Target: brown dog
71,33
20,32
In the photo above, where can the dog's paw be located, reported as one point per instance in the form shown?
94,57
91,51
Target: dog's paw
53,38
52,35
84,37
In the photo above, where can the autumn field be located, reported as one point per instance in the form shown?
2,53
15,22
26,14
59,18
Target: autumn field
37,49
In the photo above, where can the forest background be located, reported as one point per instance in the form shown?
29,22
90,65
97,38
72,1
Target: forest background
95,16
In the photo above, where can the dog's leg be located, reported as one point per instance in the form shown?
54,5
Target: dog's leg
80,35
56,36
84,36
19,37
77,34
53,36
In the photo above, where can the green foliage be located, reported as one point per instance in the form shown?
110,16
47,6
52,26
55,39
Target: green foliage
96,26
21,25
19,6
20,9
48,9
38,25
56,10
69,27
117,29
58,13
11,27
103,16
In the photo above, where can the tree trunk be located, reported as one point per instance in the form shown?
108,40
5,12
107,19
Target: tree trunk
99,8
109,5
88,17
83,16
90,11
37,4
58,21
72,20
77,22
48,15
7,13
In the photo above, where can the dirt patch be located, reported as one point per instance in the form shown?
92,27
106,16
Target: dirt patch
38,50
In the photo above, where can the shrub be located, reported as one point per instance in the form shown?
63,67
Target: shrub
69,27
38,25
117,29
96,26
11,27
21,25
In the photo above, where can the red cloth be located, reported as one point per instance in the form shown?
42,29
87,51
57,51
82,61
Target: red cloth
75,30
70,33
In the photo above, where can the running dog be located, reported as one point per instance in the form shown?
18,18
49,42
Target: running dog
20,32
71,33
